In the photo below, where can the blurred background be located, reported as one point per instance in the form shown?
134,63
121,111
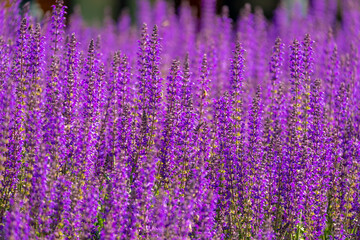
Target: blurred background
93,11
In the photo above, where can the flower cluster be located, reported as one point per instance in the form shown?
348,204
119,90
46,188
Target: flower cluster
181,128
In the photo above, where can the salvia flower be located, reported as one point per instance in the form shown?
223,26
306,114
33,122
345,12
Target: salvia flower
105,134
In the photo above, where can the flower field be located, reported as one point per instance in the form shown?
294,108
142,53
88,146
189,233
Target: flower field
181,127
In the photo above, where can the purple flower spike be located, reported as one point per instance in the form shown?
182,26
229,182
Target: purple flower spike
168,152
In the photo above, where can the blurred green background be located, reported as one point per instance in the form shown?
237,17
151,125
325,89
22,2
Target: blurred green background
93,11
